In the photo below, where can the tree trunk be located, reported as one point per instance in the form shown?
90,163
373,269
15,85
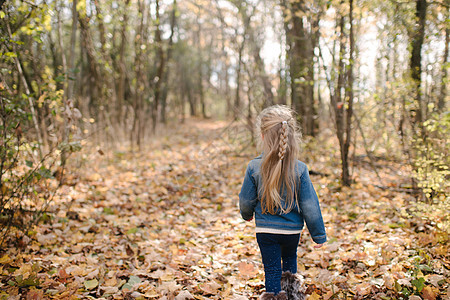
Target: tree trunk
225,84
122,67
200,71
61,47
301,42
338,102
135,133
191,100
173,23
160,70
346,180
95,76
418,35
101,26
73,39
444,74
237,100
340,105
69,82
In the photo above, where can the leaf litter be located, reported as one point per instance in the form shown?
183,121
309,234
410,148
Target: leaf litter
163,223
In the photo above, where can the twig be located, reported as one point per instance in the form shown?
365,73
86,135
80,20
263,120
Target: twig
400,190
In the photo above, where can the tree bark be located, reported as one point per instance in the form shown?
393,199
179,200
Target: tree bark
69,82
418,35
346,180
444,73
237,100
301,41
73,39
173,23
135,133
160,70
61,47
343,110
122,67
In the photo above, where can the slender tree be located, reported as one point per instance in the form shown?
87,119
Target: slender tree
417,40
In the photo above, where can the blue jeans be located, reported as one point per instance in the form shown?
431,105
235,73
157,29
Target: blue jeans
274,249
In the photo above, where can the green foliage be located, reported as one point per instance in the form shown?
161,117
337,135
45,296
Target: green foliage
418,283
27,164
432,170
24,179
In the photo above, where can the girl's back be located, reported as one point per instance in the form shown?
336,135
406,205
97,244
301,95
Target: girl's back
278,192
282,220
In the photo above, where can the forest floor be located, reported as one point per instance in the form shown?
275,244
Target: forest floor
164,223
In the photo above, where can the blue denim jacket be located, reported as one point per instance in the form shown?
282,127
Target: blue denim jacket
309,212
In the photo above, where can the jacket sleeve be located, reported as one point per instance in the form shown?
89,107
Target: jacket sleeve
248,197
309,206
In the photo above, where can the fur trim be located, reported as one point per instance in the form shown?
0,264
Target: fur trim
281,296
293,285
267,296
270,296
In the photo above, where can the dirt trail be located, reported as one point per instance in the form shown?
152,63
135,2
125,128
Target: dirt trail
164,222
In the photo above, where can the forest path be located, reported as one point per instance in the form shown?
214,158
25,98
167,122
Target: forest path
164,222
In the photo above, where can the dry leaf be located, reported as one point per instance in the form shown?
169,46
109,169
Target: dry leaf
428,293
314,296
164,219
211,287
247,269
184,295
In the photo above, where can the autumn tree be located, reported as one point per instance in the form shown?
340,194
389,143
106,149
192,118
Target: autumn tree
301,19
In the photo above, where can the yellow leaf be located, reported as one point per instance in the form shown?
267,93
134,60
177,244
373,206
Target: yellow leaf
314,296
151,294
24,270
301,267
91,284
111,282
167,277
5,259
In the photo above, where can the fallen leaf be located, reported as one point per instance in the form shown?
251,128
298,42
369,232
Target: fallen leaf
211,287
5,259
435,279
247,269
91,284
183,295
428,293
35,295
314,296
363,289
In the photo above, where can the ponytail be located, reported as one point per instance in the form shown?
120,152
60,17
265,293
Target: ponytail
283,140
280,145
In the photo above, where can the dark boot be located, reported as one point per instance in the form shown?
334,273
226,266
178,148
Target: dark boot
267,296
270,296
281,296
293,285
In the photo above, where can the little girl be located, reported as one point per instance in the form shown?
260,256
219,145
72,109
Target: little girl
278,191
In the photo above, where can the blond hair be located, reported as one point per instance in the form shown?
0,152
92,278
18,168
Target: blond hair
280,139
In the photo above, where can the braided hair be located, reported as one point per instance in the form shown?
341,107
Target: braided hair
283,140
280,143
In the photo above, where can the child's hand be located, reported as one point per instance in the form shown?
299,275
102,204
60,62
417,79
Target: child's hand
318,246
